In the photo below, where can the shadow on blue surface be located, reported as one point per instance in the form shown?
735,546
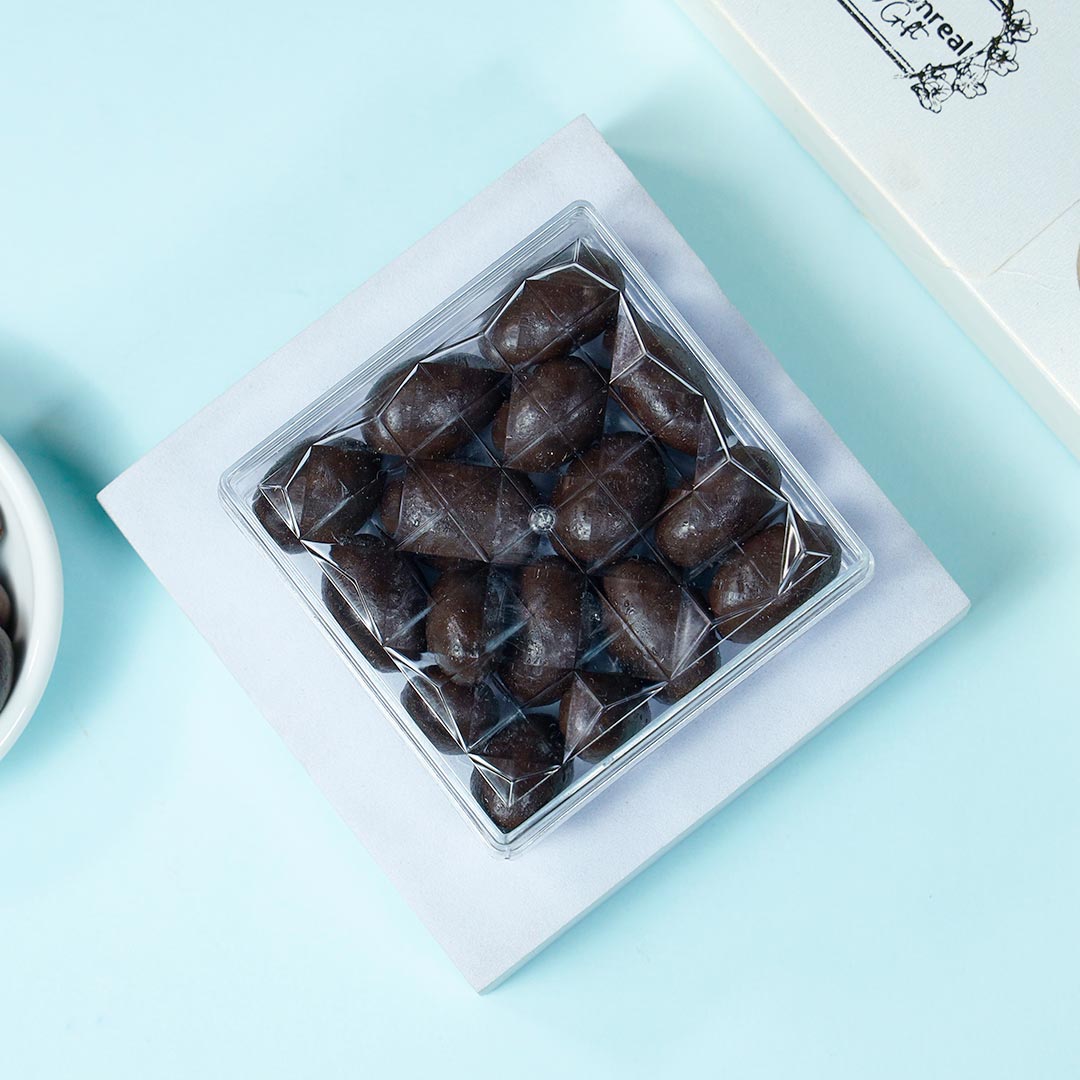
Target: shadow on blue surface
63,433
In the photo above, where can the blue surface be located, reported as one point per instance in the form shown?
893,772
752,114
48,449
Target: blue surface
187,186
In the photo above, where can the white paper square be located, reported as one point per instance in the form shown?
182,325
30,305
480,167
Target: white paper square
492,915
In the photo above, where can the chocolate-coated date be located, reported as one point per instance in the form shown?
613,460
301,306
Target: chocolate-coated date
731,494
456,510
658,628
452,715
376,597
607,496
602,710
771,575
429,409
555,411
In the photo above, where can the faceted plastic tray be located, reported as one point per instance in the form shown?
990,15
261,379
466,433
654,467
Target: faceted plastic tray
545,528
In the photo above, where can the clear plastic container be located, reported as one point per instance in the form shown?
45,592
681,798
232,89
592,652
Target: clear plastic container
545,529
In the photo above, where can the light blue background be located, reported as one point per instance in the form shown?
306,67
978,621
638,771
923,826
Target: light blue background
186,186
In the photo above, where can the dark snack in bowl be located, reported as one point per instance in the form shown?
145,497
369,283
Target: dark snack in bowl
441,707
549,314
473,611
658,628
430,408
561,616
555,410
608,495
7,667
7,609
731,494
770,575
456,510
323,493
377,598
601,710
519,769
652,374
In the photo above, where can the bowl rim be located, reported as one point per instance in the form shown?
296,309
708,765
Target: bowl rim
24,502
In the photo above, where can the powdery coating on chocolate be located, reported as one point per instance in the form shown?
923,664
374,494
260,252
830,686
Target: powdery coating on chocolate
377,598
658,628
561,616
602,710
549,315
431,408
7,667
473,612
439,707
555,410
456,510
766,579
656,387
524,765
608,495
731,496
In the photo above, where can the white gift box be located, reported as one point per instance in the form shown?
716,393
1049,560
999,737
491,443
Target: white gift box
954,125
492,915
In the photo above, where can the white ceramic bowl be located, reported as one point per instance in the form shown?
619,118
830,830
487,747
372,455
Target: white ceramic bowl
30,568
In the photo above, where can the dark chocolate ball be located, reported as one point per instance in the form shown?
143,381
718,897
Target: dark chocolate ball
271,504
376,596
323,494
456,510
607,496
659,629
657,380
452,715
430,408
549,314
7,609
555,411
731,494
473,612
519,769
770,575
602,710
7,667
561,617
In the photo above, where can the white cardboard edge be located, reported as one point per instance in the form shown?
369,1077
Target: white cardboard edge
490,915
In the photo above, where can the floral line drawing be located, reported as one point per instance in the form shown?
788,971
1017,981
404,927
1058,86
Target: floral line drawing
936,83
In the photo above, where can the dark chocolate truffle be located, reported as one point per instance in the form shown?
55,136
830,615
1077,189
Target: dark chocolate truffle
430,408
473,612
377,598
271,505
456,510
654,376
519,769
732,492
452,715
549,314
324,494
555,411
602,710
561,617
771,575
608,495
7,609
7,667
658,628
